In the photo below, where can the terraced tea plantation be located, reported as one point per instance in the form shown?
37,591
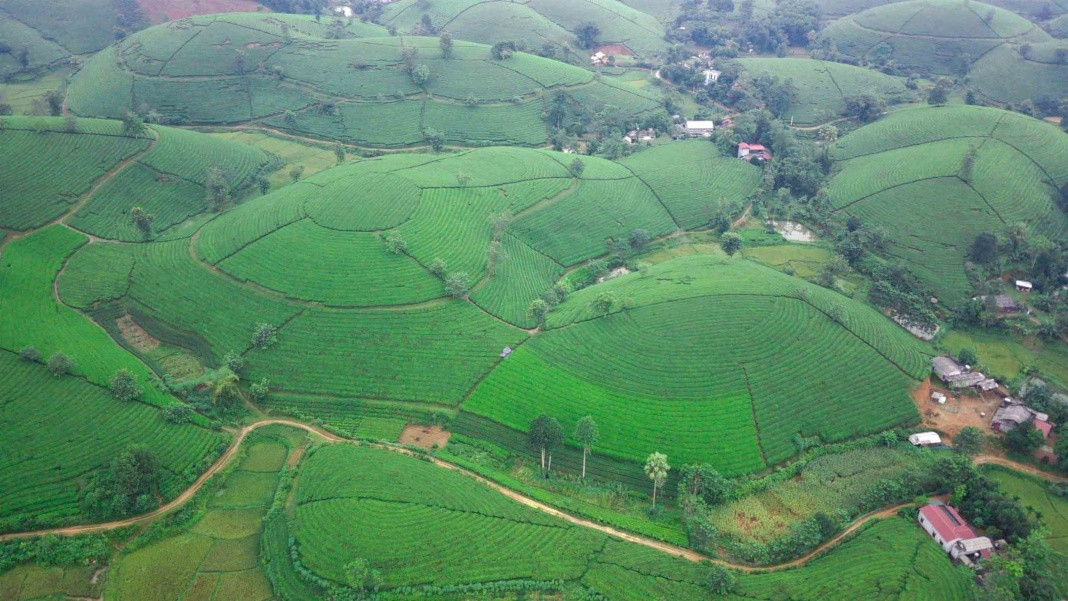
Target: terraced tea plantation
409,520
534,23
906,173
931,36
822,86
352,84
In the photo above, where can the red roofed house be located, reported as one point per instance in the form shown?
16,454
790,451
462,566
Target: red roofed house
953,533
1044,427
748,152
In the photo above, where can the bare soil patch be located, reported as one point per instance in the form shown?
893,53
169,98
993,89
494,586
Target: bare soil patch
133,333
614,50
959,411
428,437
159,11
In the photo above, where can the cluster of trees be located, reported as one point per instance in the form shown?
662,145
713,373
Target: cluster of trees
546,434
714,24
127,485
58,364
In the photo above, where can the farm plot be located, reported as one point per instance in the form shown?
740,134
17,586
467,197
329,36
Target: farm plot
693,179
1027,74
519,275
99,272
776,368
49,449
430,354
596,211
240,68
35,192
535,23
822,86
349,268
930,36
219,552
1037,494
908,169
40,52
27,271
480,536
79,27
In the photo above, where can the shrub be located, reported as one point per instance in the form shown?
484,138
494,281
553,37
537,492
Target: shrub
259,390
177,414
124,386
60,364
264,335
234,361
396,244
30,354
457,284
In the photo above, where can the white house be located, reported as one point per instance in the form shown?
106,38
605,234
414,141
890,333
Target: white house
1024,285
344,11
925,439
938,397
711,76
699,128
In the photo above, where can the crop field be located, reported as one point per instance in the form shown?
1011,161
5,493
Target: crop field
892,172
48,447
681,175
78,26
1036,493
1033,73
219,553
409,520
188,71
930,35
41,53
34,191
534,23
741,411
822,86
1008,358
314,158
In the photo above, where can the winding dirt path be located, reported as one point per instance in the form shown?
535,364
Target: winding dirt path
682,552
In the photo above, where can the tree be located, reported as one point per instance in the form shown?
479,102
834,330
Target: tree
435,138
502,50
545,434
969,441
984,248
538,310
828,133
408,56
226,393
70,123
264,336
587,34
967,356
124,486
1061,448
179,413
604,302
258,390
142,219
457,284
639,238
132,124
889,438
731,243
586,433
339,153
362,576
395,244
240,62
124,386
1025,439
705,483
421,75
577,167
263,184
295,172
939,95
719,580
967,164
30,353
217,189
234,362
866,107
656,469
60,364
445,42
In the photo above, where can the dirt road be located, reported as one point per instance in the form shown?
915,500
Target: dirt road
688,554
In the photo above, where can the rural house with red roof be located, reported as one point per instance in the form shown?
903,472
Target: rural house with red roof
748,152
953,533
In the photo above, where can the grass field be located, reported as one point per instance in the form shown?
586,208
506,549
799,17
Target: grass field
216,554
534,23
1035,493
243,68
822,86
904,173
49,449
417,525
931,36
1008,357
